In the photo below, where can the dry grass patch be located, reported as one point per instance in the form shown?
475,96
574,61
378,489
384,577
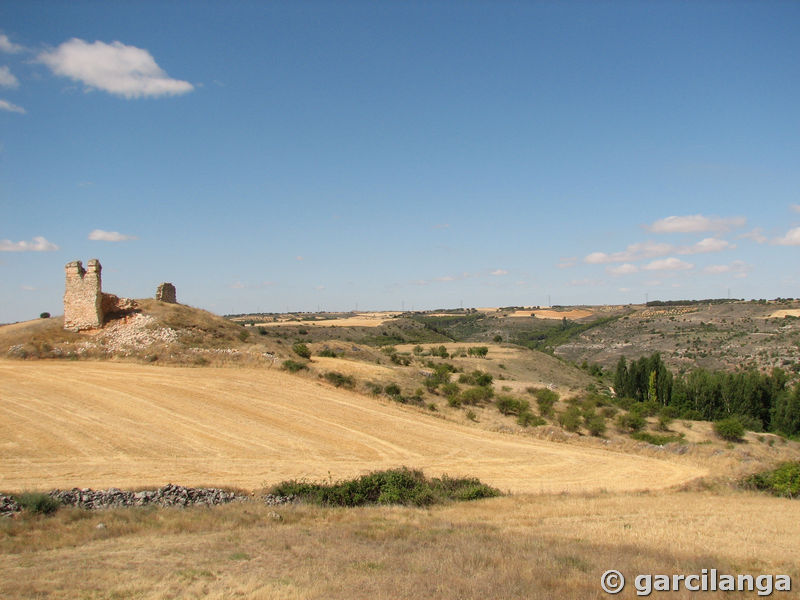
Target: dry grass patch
526,547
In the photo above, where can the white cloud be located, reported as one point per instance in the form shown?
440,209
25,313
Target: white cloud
238,285
625,269
567,262
792,238
631,253
695,224
115,68
707,245
668,264
7,78
738,267
624,289
499,272
99,235
27,288
795,207
38,244
586,283
6,105
6,45
757,235
446,278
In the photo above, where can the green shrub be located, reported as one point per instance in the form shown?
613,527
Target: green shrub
692,415
340,380
527,419
595,424
44,315
293,366
394,486
38,503
477,377
376,389
243,335
475,395
450,390
393,389
783,481
730,429
570,419
508,405
301,350
655,439
327,352
479,351
631,422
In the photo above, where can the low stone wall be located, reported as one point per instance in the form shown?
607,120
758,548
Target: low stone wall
168,495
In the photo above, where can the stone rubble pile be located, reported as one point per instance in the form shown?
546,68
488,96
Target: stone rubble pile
135,333
168,495
8,506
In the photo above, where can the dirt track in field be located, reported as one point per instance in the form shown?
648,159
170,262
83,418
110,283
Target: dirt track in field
93,424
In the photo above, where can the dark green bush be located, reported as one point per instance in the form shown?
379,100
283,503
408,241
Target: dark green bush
301,350
44,315
394,486
340,380
39,503
570,419
527,419
655,439
730,429
475,395
594,423
508,405
293,366
479,351
783,481
376,389
692,415
393,389
327,352
631,422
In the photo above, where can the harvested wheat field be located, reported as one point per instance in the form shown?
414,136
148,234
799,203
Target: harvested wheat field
360,320
553,314
92,424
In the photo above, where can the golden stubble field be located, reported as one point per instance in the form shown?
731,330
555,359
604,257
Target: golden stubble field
100,424
574,511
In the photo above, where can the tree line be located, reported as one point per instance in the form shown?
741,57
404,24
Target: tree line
763,402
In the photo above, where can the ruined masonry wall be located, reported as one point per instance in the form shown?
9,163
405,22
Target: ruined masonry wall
166,293
83,296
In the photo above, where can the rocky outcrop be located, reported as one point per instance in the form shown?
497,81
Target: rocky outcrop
8,506
114,306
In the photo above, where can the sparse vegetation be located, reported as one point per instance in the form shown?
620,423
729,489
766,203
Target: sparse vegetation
396,486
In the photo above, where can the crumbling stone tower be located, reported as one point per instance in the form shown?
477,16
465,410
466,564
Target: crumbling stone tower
83,296
166,293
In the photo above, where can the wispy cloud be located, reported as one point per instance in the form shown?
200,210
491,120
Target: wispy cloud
8,79
695,224
115,68
586,283
795,207
9,47
6,105
27,288
757,235
624,269
707,245
738,268
99,235
792,238
567,262
442,226
631,253
38,244
499,272
668,264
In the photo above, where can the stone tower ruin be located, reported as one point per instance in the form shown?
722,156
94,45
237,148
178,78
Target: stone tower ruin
85,304
166,293
83,296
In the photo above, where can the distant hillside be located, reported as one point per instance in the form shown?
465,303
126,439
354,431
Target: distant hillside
727,335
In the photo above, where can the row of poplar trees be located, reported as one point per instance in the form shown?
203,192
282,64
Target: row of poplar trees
764,400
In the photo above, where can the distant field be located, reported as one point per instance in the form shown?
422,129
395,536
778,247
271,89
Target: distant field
361,320
553,314
96,425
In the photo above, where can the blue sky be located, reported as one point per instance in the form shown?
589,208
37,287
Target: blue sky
267,156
